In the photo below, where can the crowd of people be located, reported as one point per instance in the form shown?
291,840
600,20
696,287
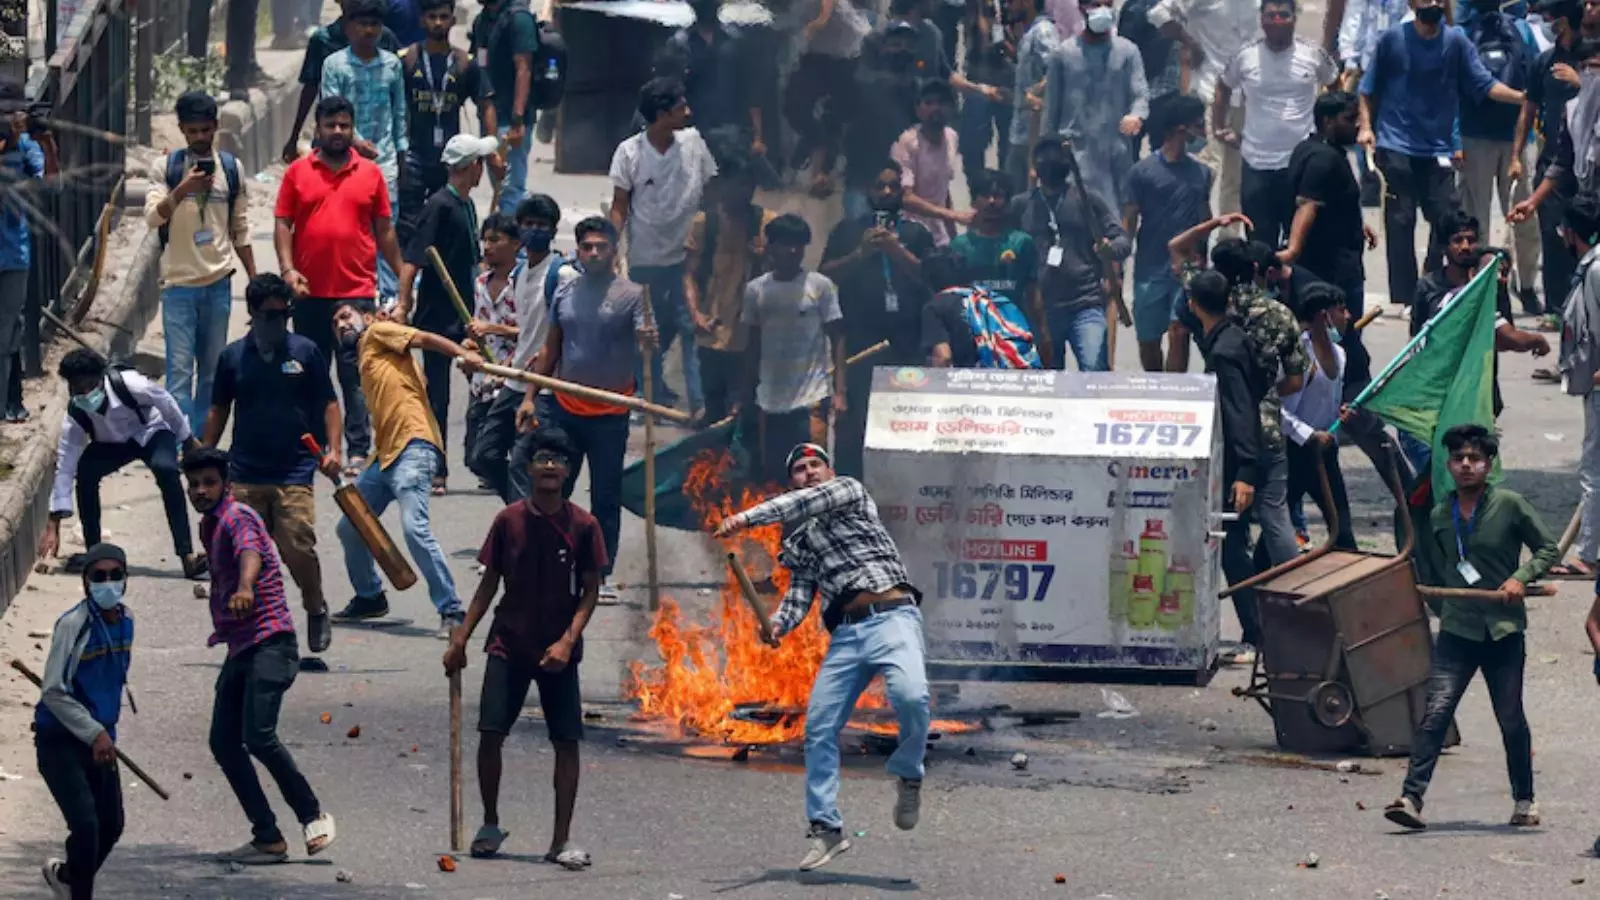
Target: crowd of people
1226,155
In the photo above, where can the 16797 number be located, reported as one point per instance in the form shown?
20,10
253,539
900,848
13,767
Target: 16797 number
1139,434
981,581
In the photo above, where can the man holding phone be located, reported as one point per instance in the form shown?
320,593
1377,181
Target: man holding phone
197,203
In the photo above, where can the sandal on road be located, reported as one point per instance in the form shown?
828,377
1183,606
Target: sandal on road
319,834
487,841
253,854
1547,376
354,468
1576,570
570,858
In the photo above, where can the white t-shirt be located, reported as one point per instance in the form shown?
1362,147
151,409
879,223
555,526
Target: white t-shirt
533,310
664,194
790,317
1279,90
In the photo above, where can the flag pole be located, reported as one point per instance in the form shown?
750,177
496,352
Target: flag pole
1404,356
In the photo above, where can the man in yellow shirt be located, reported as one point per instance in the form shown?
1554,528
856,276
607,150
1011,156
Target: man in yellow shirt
406,454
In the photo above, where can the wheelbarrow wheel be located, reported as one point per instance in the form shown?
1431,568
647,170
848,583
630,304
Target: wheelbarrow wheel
1331,704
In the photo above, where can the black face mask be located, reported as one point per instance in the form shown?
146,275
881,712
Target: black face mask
889,202
1430,15
1053,172
897,60
270,332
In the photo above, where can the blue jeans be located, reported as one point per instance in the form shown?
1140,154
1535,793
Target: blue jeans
388,279
196,322
665,284
889,643
515,186
603,442
1084,330
409,479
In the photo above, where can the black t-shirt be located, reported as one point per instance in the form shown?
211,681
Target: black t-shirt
868,315
987,63
1300,279
1549,95
712,73
274,401
884,106
433,104
1321,172
451,225
944,321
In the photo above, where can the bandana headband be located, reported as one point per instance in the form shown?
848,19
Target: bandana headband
806,451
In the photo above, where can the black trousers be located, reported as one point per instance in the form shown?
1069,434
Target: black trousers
1415,183
161,457
721,379
1455,660
240,31
1558,263
418,182
490,451
313,318
1266,197
90,798
817,104
244,724
436,369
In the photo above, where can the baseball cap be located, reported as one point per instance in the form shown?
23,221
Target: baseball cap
464,148
900,26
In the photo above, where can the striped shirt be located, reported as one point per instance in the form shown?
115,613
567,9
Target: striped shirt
377,90
839,548
228,531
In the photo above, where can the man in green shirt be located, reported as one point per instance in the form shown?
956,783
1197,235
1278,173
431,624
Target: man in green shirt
1474,540
505,35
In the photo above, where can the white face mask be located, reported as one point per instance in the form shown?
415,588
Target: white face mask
1100,19
107,594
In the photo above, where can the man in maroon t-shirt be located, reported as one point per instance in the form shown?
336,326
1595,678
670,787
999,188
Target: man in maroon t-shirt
550,553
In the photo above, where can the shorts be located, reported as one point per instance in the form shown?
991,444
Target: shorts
1156,303
289,511
505,688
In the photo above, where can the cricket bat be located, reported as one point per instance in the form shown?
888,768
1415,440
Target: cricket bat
372,533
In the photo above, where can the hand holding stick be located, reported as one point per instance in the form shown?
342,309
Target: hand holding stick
456,817
133,767
455,297
748,591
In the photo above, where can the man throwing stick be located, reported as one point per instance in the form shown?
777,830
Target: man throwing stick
840,548
550,553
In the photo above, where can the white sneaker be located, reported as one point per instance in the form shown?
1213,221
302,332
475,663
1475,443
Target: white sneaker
52,870
1526,814
825,845
907,804
608,592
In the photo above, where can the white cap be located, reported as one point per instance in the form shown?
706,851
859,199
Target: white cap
464,148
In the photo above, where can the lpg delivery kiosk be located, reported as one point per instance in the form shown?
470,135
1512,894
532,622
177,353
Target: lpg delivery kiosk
1059,524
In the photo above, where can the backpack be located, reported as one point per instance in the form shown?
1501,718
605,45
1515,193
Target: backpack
175,173
549,56
1505,47
999,329
119,387
1154,47
552,277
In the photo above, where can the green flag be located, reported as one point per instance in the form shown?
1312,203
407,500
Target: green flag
1445,376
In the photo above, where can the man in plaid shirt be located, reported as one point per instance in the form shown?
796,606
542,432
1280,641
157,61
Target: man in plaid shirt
840,548
250,614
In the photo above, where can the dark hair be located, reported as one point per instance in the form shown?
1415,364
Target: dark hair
936,87
1331,105
1288,3
1455,221
989,182
203,458
788,229
554,440
333,105
944,268
899,8
890,165
1571,10
730,151
1173,112
1582,216
195,106
1209,291
1232,260
501,223
361,305
1049,143
264,287
364,10
1318,296
595,225
1461,436
8,132
540,206
82,363
428,6
659,95
1262,254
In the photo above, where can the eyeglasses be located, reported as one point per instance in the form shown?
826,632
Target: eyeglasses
547,458
102,576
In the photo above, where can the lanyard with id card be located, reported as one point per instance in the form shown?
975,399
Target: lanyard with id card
1468,572
435,96
1055,255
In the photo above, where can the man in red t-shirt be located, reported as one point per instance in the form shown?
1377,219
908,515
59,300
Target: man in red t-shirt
550,553
333,217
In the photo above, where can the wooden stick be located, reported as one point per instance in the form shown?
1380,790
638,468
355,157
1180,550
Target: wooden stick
1367,317
588,393
133,767
874,350
651,571
455,298
748,591
456,818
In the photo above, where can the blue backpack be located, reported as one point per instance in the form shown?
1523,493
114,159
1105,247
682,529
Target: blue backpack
175,173
1001,331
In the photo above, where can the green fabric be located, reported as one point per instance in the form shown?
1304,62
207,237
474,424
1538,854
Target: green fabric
673,508
1004,264
1502,525
502,49
1449,378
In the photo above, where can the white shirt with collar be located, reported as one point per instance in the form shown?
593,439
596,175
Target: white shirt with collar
115,423
1221,27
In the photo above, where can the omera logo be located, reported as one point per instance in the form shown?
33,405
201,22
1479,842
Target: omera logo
1151,473
909,377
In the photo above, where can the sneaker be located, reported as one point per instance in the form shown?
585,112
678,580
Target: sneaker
1302,540
16,415
196,567
826,843
1530,302
320,632
907,804
365,608
54,875
448,624
1525,815
1407,813
608,592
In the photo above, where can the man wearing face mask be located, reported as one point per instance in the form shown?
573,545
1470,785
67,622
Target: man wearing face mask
276,387
1096,98
75,721
885,106
114,417
1038,43
875,260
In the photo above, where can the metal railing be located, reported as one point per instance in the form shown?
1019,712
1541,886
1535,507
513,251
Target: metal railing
85,88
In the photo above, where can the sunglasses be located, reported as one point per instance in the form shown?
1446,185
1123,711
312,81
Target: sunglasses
102,576
546,458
